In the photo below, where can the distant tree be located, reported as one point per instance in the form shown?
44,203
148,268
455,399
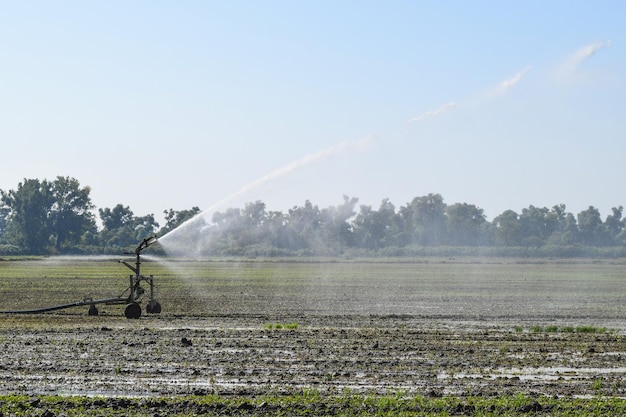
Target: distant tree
465,225
337,231
121,229
4,218
591,228
425,220
507,229
254,214
537,225
117,226
277,230
614,224
253,217
116,218
305,225
173,218
236,229
28,223
70,214
566,231
228,218
226,232
375,229
143,227
367,230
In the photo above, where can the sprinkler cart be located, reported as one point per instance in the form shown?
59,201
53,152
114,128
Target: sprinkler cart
131,296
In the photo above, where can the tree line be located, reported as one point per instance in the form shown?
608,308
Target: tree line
42,217
58,217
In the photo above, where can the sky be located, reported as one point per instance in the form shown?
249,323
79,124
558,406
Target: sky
162,105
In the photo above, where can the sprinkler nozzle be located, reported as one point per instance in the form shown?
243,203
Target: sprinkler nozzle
145,243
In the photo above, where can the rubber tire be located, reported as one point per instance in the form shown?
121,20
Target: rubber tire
132,311
153,307
93,310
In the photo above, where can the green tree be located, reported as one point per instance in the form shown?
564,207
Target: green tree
4,219
376,229
591,228
115,218
614,224
367,231
566,232
173,219
254,217
28,224
276,229
143,227
337,231
254,214
122,229
537,225
425,220
466,225
305,225
507,229
70,214
225,233
236,229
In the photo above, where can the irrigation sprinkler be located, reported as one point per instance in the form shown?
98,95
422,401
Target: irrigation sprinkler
133,309
131,296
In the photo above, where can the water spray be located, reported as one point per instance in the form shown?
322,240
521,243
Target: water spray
131,296
570,67
198,219
432,113
506,85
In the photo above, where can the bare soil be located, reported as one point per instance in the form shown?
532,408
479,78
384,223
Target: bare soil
427,329
248,355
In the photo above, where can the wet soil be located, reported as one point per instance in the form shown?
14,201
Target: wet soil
251,355
243,330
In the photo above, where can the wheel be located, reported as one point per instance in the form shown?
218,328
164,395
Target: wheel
153,307
132,311
93,311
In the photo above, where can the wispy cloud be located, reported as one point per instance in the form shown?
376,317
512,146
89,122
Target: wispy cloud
432,113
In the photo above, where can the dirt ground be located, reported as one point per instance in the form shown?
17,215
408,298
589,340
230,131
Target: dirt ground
431,329
248,355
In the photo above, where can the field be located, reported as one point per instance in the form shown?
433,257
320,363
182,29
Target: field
311,337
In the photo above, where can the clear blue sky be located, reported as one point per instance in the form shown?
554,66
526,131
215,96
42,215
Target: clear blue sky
174,104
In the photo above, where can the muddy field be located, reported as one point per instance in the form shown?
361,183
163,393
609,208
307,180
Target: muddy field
563,337
333,355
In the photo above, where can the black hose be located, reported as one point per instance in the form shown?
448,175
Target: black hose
44,309
63,306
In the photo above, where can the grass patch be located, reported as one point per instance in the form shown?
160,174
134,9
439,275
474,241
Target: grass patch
590,329
309,402
564,329
280,326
